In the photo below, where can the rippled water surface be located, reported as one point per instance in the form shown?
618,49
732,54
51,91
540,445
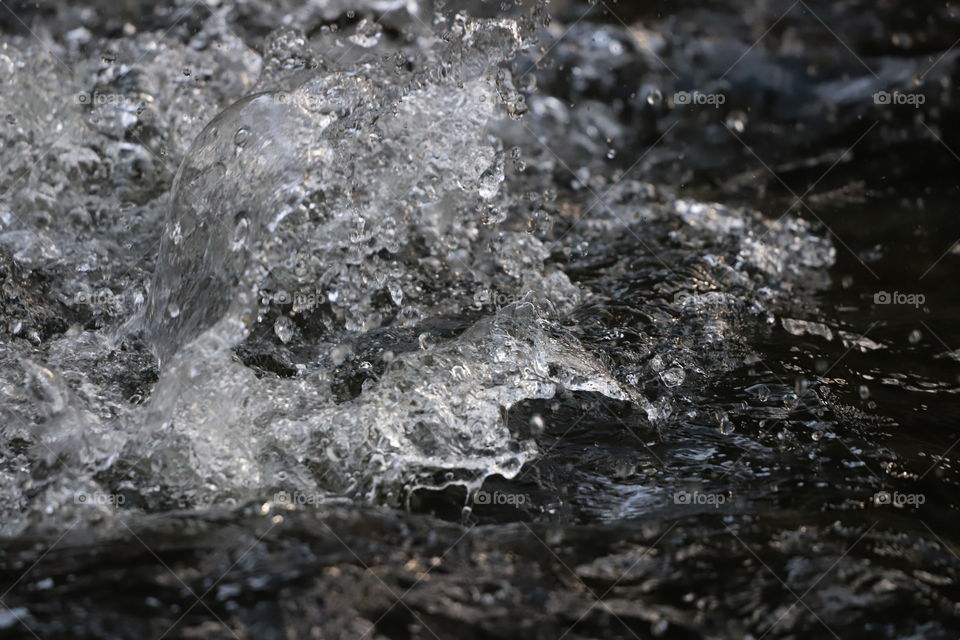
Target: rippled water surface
479,320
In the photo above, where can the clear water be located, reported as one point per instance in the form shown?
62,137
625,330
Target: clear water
441,308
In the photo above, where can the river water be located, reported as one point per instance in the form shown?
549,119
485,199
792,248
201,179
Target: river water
388,319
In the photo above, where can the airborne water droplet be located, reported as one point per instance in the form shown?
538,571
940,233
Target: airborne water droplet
490,181
726,426
737,121
241,136
426,341
396,293
241,231
656,363
537,424
283,327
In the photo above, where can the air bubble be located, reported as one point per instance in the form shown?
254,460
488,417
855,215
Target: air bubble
673,377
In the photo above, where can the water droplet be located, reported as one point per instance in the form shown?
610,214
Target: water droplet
426,341
654,97
173,310
656,363
340,353
537,425
737,121
241,226
241,136
791,400
396,293
915,336
284,328
864,391
660,627
726,426
490,181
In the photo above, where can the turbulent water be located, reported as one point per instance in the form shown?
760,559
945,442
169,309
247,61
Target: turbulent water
400,320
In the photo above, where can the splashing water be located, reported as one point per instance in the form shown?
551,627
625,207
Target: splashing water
344,304
336,203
